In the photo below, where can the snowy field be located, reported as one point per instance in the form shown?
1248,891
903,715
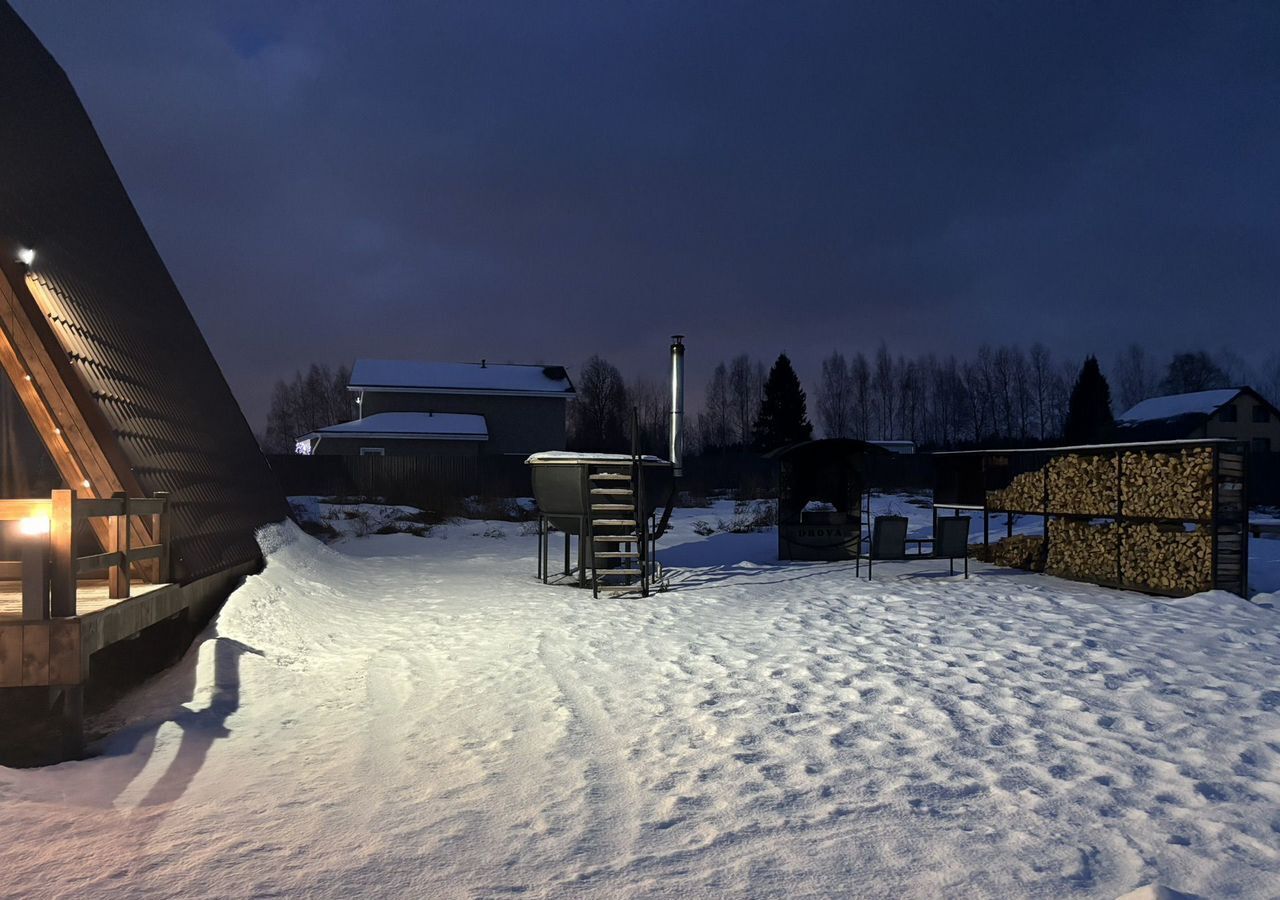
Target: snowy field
402,716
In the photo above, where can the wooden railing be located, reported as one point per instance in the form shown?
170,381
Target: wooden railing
53,590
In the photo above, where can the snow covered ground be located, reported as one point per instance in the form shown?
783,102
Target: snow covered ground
402,716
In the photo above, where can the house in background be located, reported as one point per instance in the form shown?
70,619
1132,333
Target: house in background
430,409
400,434
1239,414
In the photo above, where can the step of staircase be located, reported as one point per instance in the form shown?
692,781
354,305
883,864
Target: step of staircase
617,588
609,573
613,492
616,538
617,554
609,476
610,523
613,507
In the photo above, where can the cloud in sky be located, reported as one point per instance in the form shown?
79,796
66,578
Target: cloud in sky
538,182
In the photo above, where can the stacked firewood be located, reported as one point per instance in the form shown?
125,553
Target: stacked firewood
1025,493
1083,484
1082,551
1167,558
1169,485
1022,551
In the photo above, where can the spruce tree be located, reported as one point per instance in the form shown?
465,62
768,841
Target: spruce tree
783,418
1089,418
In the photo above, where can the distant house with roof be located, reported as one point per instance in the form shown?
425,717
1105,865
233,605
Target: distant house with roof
412,408
1240,414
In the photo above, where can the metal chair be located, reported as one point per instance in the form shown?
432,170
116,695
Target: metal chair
952,542
888,540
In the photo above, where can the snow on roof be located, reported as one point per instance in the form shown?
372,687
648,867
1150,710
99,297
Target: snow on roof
459,378
569,456
1159,408
434,426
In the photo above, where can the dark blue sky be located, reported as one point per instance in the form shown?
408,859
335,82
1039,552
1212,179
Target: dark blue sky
540,181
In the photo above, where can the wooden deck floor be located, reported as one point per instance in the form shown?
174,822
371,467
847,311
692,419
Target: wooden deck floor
91,597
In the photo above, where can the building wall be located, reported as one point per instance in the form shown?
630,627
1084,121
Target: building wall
517,425
351,446
1244,428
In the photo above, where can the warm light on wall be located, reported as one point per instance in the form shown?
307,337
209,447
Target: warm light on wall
34,526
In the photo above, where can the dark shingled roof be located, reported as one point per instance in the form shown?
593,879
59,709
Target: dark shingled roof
121,319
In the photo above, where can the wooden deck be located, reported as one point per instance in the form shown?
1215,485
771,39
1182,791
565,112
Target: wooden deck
55,651
91,596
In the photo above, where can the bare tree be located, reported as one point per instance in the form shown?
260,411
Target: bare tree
882,384
312,400
746,388
1268,382
716,423
835,397
1135,377
863,400
653,409
600,416
1041,377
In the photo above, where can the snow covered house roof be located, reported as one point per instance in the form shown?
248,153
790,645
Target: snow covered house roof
410,425
1159,409
459,378
572,457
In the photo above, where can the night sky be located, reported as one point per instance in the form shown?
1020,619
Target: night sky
536,182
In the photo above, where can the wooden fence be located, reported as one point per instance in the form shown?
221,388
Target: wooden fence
436,483
51,564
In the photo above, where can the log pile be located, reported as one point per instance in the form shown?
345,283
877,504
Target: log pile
1169,485
1022,551
1167,558
1025,493
1083,484
1082,551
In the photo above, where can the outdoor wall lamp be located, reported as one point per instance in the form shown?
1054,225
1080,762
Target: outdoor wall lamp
26,256
35,567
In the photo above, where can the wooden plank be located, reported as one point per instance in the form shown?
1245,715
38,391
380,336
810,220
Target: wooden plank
112,506
10,570
146,506
62,545
118,577
35,654
13,510
138,554
64,652
99,561
10,655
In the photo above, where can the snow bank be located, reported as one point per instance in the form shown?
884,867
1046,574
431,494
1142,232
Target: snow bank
417,717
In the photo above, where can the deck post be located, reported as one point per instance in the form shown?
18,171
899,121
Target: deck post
160,534
118,539
62,547
35,577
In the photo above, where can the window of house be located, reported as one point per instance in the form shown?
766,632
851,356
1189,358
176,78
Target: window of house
1260,414
1228,413
373,451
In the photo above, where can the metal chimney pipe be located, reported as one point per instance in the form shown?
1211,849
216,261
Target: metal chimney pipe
677,405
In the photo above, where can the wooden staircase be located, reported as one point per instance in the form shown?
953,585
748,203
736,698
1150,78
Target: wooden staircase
621,544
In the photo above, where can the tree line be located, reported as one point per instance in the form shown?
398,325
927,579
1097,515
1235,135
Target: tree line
1002,393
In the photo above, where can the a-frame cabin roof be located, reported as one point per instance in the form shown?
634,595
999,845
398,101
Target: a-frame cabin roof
98,340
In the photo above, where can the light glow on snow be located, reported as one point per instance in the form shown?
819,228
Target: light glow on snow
419,717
